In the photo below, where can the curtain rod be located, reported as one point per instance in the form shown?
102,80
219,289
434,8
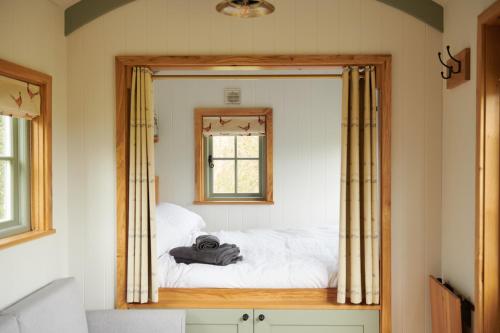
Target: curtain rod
251,76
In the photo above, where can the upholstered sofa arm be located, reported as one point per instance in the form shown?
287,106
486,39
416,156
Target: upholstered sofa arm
136,321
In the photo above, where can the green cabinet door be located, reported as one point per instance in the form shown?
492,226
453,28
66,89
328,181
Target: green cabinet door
219,321
316,321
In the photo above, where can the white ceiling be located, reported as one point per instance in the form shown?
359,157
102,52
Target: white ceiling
65,3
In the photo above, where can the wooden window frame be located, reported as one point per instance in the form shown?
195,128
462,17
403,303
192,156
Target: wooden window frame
40,156
253,298
487,247
200,176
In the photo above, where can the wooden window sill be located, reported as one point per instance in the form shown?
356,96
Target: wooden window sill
24,237
233,202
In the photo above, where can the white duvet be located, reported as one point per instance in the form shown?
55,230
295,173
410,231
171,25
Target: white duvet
294,258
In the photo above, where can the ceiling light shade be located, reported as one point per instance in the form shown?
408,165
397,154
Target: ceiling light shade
245,8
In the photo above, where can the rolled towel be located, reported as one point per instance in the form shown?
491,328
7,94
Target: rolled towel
224,255
204,242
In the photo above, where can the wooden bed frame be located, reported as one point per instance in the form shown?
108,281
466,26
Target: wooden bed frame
253,298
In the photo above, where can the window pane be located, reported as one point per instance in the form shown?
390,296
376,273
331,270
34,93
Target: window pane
23,181
223,176
248,146
5,191
223,146
248,176
5,136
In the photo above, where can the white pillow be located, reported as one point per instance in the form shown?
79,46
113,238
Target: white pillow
175,226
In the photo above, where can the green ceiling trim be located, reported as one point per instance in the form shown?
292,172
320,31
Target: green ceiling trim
425,10
85,11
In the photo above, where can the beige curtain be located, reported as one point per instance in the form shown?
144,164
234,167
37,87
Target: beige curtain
359,221
236,125
19,99
142,285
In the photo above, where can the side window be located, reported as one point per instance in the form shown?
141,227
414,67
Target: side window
25,154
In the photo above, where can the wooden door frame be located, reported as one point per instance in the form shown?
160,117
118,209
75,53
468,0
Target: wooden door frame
485,205
249,298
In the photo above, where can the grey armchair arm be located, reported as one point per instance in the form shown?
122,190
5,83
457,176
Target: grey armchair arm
136,321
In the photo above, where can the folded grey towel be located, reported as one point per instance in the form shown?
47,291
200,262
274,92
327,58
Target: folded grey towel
188,262
224,255
207,242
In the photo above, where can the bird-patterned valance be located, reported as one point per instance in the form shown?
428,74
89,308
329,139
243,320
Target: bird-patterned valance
234,125
19,99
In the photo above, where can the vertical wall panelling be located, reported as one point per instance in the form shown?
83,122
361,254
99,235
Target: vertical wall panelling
333,26
328,21
307,144
459,140
32,35
284,27
199,35
306,16
433,164
413,159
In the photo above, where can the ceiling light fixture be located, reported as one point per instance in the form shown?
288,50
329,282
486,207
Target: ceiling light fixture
245,8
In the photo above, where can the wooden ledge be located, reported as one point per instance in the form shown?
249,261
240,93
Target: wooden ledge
306,298
24,237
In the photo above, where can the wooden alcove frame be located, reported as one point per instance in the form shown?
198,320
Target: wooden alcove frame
253,298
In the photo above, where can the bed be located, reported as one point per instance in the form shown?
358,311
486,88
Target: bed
289,258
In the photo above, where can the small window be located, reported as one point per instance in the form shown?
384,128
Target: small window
14,176
25,154
234,155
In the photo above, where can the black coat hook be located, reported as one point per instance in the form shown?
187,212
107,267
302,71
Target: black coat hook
455,60
450,70
447,76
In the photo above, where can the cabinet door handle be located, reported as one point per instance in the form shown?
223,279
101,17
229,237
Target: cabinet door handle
262,317
245,317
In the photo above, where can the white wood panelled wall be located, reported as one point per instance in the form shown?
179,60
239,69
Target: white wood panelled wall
459,148
32,35
298,26
307,119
